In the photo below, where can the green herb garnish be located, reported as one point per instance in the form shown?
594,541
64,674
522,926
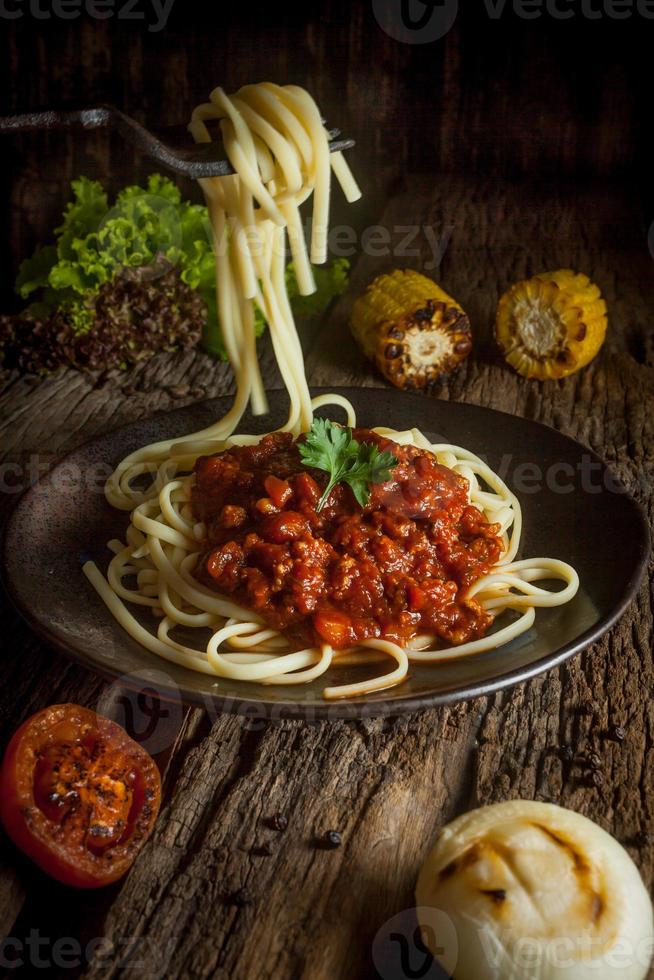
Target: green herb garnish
332,448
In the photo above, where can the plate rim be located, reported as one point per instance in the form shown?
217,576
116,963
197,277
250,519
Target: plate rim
351,708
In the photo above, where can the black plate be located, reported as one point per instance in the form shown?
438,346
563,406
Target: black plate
573,508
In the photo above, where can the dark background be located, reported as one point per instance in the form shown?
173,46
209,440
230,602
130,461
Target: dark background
566,102
513,97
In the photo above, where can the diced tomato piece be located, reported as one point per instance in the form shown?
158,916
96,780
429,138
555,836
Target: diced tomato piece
287,526
306,489
335,628
225,564
279,491
266,506
416,598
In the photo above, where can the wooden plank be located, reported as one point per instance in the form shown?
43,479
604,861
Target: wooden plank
206,898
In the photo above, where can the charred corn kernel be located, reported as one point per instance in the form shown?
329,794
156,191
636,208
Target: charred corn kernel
551,325
410,328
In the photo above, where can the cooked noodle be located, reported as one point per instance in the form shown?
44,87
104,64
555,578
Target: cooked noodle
276,142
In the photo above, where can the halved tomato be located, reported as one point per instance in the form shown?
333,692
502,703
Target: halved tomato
78,795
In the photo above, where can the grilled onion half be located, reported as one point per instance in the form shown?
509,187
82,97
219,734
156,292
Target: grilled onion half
536,892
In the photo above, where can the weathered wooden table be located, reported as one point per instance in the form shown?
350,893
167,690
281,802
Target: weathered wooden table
218,891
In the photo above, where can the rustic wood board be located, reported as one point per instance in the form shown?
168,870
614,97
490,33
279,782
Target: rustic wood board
204,899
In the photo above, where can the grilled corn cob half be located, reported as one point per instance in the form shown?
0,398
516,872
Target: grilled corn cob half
551,325
410,328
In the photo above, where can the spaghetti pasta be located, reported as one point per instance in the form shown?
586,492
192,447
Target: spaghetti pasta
276,142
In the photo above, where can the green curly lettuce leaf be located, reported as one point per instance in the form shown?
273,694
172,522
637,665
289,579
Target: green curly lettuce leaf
34,272
82,215
158,186
331,280
146,228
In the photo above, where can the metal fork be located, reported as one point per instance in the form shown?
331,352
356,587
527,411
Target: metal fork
199,160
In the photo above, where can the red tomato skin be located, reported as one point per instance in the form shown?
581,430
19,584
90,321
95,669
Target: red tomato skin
17,804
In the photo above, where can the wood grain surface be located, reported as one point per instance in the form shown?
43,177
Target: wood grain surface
217,891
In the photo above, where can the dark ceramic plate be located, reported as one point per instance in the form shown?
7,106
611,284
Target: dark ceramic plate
573,509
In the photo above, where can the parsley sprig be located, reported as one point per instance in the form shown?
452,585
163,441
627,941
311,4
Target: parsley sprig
332,448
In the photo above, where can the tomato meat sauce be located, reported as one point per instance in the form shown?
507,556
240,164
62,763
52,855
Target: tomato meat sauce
78,795
396,568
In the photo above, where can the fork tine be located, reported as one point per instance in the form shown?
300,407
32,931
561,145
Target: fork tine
201,160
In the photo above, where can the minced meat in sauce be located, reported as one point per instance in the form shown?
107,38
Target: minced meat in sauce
396,568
